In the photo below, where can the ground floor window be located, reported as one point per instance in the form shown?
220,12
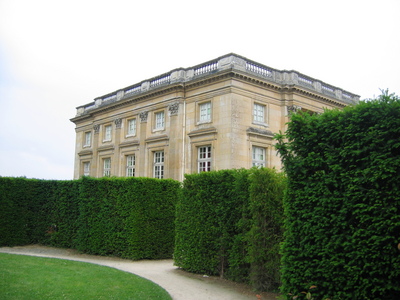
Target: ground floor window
107,167
204,159
258,159
86,168
130,165
158,168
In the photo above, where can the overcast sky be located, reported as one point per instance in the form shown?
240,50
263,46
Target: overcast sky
57,55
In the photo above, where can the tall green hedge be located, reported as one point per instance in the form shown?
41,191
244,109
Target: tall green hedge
127,217
343,202
229,223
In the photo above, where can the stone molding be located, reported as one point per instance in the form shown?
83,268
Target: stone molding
234,62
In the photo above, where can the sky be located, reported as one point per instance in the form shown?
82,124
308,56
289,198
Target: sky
57,55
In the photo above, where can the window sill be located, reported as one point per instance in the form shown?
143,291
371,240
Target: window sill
204,122
260,124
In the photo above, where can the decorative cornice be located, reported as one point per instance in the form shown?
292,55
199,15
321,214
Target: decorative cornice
230,65
203,131
260,132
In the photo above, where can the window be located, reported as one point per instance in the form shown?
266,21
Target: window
259,113
205,112
86,168
130,165
160,120
107,167
131,127
88,139
204,159
107,133
159,164
258,157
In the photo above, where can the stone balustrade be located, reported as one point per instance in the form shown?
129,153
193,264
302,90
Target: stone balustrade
230,61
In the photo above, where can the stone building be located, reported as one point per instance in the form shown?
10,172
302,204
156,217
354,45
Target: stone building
221,114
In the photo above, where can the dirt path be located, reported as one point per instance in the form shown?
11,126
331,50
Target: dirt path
179,284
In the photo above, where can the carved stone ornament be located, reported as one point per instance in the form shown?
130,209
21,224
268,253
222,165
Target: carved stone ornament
118,122
96,128
173,109
292,109
143,116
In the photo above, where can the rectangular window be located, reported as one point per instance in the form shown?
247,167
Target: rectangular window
88,139
258,157
159,164
131,127
259,113
130,165
107,167
205,112
86,168
160,120
107,133
204,159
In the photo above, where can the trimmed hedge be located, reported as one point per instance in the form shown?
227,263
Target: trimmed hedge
343,202
127,217
229,223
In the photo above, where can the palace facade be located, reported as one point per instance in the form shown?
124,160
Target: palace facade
221,114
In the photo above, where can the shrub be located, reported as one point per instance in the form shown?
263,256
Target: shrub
343,202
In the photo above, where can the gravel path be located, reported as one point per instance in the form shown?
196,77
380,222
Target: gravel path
179,284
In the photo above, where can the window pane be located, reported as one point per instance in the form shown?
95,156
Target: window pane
258,157
258,113
107,133
160,120
204,159
132,127
88,138
205,111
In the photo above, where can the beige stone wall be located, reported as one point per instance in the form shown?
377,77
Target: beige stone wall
231,132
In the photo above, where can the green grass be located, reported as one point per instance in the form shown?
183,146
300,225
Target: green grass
28,277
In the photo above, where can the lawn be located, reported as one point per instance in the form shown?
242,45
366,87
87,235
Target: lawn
29,277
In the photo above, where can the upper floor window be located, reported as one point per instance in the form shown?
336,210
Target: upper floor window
130,165
88,139
159,120
158,167
259,113
205,112
131,127
107,167
258,159
86,168
107,133
204,159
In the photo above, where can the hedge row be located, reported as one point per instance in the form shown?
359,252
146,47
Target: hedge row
343,203
127,217
229,223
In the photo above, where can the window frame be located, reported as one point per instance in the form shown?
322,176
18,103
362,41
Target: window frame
130,167
87,143
107,168
128,127
204,164
207,117
107,133
256,161
257,117
158,164
86,168
157,126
